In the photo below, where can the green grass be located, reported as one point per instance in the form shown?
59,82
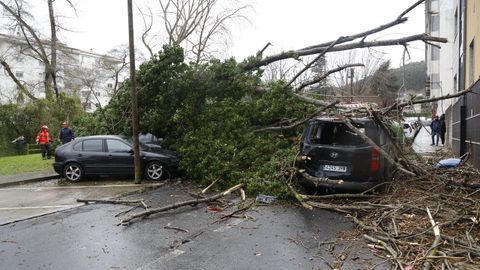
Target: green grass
25,163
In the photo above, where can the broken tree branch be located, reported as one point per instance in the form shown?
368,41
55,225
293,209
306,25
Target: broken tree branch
448,96
400,19
318,180
350,46
438,239
299,122
324,76
128,202
179,204
379,149
307,66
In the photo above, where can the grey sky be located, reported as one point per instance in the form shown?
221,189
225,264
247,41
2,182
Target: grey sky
102,24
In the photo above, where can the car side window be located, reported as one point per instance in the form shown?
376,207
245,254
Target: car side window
116,146
78,146
92,146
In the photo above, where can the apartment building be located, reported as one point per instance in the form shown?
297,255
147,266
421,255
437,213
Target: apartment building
84,73
453,68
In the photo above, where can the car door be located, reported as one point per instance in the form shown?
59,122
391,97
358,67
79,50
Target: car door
92,156
119,157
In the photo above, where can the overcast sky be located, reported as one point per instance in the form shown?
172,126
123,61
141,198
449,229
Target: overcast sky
102,24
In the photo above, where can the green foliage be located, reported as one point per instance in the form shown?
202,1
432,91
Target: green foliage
208,113
17,120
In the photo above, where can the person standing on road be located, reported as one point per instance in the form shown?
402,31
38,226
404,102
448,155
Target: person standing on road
435,126
66,133
43,138
443,128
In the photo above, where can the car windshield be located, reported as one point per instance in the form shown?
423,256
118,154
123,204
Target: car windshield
329,133
143,146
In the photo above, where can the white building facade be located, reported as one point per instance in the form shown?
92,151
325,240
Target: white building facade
442,19
88,75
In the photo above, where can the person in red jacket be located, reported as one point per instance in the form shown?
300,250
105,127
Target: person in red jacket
43,138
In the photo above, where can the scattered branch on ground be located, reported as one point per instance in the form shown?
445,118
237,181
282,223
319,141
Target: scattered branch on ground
147,213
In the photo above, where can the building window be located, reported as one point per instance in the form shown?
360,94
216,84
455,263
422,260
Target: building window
455,26
471,62
455,83
19,74
435,53
435,80
97,94
110,85
85,94
434,23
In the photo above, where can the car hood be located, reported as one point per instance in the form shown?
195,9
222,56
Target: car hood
151,151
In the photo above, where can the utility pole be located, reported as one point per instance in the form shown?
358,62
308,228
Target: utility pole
351,75
133,87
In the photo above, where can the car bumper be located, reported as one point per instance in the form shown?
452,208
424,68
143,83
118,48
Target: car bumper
350,186
58,167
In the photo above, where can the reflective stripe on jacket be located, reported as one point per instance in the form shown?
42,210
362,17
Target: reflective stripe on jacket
43,138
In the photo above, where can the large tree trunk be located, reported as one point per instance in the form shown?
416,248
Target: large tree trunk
52,69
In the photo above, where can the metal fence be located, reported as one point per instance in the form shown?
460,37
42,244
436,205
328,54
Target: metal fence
465,125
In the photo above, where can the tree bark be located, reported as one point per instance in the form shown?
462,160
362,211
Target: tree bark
52,68
20,86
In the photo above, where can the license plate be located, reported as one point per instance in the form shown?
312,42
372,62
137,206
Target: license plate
333,168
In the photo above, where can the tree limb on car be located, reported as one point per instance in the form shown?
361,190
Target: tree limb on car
378,148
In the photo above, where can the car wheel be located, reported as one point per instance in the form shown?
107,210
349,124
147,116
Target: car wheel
154,170
73,172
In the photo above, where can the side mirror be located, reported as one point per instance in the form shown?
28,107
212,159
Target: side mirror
131,152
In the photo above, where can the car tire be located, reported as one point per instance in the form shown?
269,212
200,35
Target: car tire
154,171
73,172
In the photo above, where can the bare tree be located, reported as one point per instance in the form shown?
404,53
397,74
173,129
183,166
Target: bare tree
34,44
197,25
213,27
359,83
147,37
116,64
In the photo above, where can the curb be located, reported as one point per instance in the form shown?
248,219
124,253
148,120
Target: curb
30,180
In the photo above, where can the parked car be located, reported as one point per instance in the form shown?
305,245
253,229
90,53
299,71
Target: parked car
333,151
109,155
149,139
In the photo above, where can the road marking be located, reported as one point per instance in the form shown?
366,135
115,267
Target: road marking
80,187
158,262
40,207
232,223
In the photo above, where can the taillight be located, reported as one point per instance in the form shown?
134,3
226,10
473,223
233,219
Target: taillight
375,162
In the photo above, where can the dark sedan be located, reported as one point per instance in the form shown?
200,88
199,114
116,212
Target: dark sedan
109,155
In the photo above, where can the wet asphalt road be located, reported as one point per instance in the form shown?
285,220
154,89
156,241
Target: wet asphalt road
34,199
275,237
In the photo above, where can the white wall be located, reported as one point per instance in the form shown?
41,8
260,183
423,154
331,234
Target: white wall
33,73
447,64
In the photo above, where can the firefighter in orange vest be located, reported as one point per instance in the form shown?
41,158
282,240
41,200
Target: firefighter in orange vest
43,138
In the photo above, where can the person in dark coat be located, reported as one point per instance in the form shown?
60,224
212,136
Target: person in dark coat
20,143
66,133
435,126
443,128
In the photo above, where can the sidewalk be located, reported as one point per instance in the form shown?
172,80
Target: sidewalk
423,141
22,178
